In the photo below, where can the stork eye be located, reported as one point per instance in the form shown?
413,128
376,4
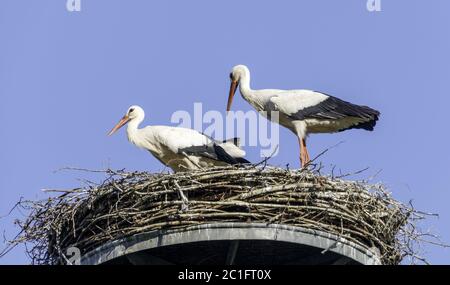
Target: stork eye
131,110
231,75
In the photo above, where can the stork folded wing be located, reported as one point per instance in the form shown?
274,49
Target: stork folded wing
212,151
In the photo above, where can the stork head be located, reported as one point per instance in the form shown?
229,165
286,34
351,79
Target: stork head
236,74
134,113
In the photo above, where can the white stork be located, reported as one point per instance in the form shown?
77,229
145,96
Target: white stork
302,111
181,149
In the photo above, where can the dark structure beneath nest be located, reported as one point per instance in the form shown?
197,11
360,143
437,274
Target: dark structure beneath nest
233,244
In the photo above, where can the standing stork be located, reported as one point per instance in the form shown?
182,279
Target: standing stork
181,149
302,111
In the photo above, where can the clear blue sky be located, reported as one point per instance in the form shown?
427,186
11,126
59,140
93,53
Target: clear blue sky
66,79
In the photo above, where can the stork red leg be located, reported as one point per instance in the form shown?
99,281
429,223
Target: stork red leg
302,152
304,155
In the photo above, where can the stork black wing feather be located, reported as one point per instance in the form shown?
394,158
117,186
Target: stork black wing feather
212,151
334,108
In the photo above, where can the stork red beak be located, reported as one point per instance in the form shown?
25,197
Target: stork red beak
125,119
233,87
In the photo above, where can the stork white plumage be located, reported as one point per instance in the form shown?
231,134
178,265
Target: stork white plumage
181,149
302,111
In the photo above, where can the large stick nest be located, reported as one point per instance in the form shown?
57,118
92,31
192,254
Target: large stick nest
129,203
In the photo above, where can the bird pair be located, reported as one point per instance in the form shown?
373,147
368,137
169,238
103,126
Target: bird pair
301,111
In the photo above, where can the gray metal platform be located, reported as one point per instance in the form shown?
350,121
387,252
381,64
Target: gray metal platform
233,243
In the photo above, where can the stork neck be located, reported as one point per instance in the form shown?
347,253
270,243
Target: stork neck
244,84
132,127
